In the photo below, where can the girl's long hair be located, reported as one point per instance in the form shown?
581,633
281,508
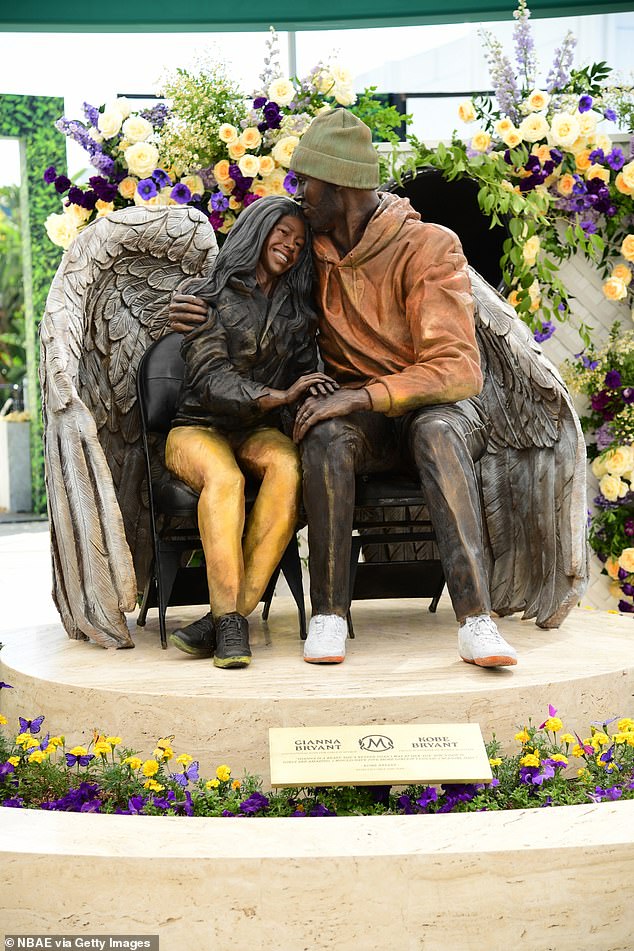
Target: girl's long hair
241,252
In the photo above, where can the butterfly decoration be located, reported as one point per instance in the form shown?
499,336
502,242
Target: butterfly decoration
30,726
82,759
190,774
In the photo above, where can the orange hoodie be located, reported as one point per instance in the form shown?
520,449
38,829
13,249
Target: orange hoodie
397,312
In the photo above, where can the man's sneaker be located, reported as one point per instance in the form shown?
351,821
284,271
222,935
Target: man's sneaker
326,641
480,642
197,639
232,641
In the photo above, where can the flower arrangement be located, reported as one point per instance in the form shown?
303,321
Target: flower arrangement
552,767
210,146
606,378
543,158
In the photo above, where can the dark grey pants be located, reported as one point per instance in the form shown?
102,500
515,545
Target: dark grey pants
441,443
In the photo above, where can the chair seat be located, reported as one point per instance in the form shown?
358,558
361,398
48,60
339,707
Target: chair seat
172,497
388,489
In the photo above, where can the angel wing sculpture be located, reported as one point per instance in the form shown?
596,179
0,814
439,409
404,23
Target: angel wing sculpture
533,474
108,301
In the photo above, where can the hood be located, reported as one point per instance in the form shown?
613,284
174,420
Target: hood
390,217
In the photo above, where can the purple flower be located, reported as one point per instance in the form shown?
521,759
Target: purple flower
272,115
91,113
49,175
319,810
615,159
227,812
6,769
104,190
156,115
429,795
585,104
625,607
610,115
622,574
255,803
628,394
76,196
16,803
546,332
405,803
161,178
259,101
30,726
588,363
62,184
556,156
613,379
216,220
219,202
290,183
147,188
599,401
103,163
249,198
188,775
7,686
597,155
599,794
628,528
181,193
83,759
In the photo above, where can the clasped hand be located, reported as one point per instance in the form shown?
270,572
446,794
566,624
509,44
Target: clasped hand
317,408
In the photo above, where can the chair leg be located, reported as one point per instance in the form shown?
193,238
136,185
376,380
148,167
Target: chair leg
267,597
145,600
167,565
436,598
291,565
349,623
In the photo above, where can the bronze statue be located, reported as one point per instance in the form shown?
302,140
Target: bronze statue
253,358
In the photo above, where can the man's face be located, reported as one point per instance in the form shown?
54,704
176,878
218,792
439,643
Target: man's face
320,202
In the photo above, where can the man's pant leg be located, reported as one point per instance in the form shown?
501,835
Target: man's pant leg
445,441
333,452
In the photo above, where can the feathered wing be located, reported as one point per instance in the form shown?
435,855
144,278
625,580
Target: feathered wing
108,300
533,474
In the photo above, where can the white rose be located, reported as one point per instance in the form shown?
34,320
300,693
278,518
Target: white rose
281,91
137,129
109,123
344,95
611,488
341,76
564,129
121,105
95,134
619,461
531,250
284,149
537,101
141,158
588,122
533,127
61,229
249,165
324,82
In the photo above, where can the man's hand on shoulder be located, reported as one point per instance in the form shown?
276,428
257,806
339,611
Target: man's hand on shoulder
340,403
186,312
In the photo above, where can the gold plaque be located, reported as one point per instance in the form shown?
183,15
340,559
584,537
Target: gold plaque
394,754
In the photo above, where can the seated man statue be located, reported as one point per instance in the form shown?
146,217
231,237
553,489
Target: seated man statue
396,300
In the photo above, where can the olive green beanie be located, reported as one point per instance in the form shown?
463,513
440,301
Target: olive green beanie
337,148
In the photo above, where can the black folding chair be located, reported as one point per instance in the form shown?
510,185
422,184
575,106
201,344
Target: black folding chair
171,581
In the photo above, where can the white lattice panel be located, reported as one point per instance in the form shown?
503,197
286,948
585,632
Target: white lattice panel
590,306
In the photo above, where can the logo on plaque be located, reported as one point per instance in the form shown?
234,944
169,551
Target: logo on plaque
376,743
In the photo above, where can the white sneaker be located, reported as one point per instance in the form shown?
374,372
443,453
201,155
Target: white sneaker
480,642
326,641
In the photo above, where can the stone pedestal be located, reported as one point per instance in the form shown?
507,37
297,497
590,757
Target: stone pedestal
15,466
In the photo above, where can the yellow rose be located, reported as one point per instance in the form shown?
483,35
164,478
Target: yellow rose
598,171
283,150
261,190
599,467
77,214
533,127
564,129
141,158
227,224
512,138
614,289
534,293
628,174
275,182
221,170
626,560
234,204
109,123
249,165
627,248
227,133
531,250
137,129
612,488
621,186
194,183
542,152
612,568
466,111
582,160
226,186
480,141
588,123
623,272
537,101
513,299
236,150
104,208
502,126
602,142
267,165
619,461
565,184
61,229
127,187
281,91
251,137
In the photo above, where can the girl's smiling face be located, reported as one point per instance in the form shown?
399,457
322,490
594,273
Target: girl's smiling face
280,251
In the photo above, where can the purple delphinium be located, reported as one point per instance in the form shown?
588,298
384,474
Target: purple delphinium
525,48
91,113
585,104
102,162
603,436
156,116
559,73
546,332
181,193
147,188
